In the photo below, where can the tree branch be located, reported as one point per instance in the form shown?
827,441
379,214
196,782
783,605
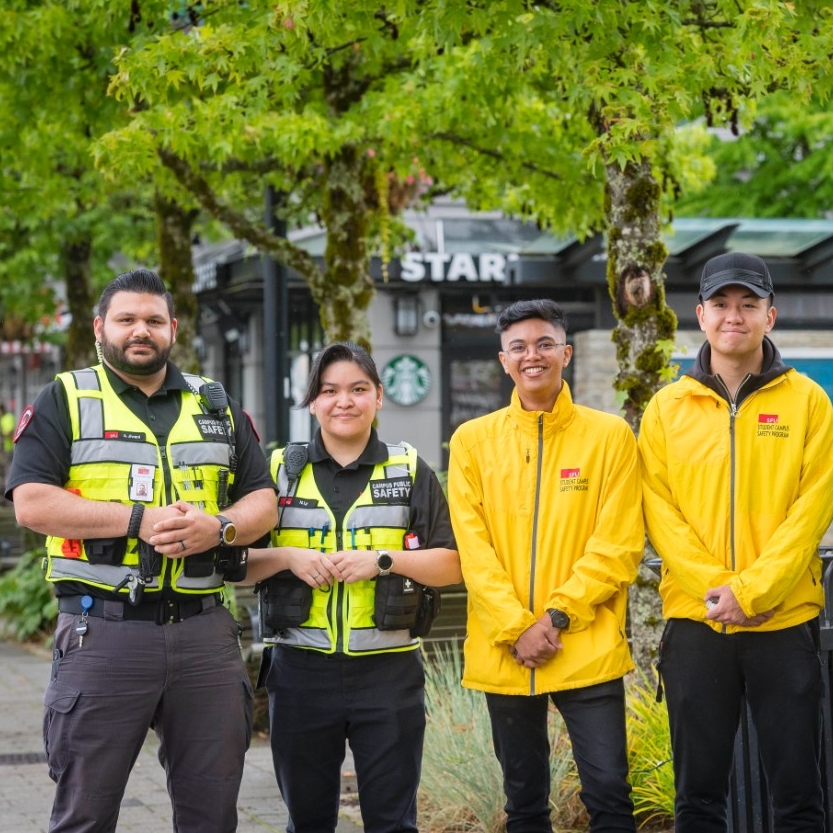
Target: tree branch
255,233
493,154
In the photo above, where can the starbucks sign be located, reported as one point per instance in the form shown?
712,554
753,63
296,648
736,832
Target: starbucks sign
406,379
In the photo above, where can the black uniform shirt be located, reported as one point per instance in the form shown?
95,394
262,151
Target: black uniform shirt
340,486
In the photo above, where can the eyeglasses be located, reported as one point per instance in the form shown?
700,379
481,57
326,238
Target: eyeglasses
518,350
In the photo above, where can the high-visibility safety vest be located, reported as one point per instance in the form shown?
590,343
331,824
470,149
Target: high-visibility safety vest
116,457
341,618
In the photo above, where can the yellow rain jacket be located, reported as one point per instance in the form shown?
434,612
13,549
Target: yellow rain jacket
546,513
739,494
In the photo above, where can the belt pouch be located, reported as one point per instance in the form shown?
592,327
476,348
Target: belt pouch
284,601
105,550
429,608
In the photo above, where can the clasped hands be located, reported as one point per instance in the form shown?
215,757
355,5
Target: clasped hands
538,644
723,607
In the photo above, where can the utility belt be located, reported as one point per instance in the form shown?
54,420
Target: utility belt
230,561
285,601
162,611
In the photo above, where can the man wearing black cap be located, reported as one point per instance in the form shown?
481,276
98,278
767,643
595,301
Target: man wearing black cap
736,492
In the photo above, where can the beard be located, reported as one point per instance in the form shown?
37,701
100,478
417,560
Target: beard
116,357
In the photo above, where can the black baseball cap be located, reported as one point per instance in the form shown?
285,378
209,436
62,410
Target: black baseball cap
735,269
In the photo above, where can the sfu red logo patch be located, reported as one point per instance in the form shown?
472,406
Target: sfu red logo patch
768,419
572,481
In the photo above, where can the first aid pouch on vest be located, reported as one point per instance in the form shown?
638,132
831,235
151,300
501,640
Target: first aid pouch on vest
401,603
284,601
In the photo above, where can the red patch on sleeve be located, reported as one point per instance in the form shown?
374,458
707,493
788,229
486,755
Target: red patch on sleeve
25,419
252,423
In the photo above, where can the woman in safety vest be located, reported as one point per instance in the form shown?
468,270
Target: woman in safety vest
363,527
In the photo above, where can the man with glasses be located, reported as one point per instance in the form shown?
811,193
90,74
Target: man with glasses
545,504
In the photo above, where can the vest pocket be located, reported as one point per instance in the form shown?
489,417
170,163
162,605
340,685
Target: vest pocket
284,601
109,551
397,602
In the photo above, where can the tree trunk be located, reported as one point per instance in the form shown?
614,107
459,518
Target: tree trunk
346,289
176,268
80,346
644,338
636,254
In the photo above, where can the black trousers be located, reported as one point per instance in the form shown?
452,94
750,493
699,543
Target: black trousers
705,674
595,720
317,703
186,680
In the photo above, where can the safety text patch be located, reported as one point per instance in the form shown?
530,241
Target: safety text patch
397,491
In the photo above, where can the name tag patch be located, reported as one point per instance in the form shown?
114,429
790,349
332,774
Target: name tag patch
125,436
299,502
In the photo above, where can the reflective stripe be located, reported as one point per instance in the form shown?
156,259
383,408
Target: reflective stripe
91,415
86,379
380,516
200,453
372,639
362,640
105,576
193,381
85,452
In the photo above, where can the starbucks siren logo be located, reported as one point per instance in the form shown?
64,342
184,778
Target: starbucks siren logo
407,380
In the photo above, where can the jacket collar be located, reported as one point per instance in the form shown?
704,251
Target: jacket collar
772,368
558,418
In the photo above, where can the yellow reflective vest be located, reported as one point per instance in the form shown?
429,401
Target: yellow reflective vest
341,618
739,495
115,457
546,514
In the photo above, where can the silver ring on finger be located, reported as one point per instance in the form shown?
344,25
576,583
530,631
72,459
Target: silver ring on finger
182,544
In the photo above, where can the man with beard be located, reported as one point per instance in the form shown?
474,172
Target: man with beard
147,483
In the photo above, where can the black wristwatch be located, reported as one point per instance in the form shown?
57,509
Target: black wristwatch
383,562
559,619
228,531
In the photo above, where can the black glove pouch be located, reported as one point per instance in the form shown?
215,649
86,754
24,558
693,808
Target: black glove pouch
200,565
105,550
284,602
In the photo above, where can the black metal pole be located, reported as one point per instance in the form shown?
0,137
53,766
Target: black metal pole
275,336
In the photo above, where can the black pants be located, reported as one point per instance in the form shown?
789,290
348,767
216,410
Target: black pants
186,680
705,675
317,703
595,720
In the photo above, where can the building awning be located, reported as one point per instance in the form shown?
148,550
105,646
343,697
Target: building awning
460,249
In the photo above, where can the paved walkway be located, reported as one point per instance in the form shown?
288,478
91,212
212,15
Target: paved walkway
26,789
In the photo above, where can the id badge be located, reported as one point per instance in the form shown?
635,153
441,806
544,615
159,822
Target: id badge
141,482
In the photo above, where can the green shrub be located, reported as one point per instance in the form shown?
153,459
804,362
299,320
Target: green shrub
28,608
461,790
649,742
462,786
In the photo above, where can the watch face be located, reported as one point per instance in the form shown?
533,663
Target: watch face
384,561
230,533
559,619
